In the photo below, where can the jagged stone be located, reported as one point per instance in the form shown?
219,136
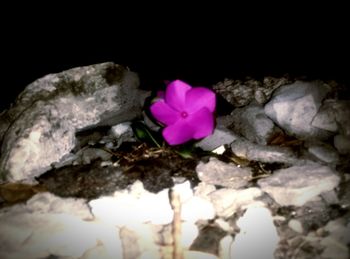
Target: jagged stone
293,108
40,127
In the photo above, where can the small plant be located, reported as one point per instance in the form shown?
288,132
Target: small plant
185,112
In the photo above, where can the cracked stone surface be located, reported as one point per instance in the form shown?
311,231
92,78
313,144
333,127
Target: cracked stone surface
40,127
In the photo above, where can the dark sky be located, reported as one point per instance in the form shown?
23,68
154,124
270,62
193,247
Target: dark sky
198,67
201,53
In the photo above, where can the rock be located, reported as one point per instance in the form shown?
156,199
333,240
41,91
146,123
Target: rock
324,152
241,92
122,132
297,185
132,203
262,153
228,201
222,174
325,118
334,116
342,144
296,226
221,136
208,240
337,243
342,115
258,236
252,123
47,225
313,215
49,112
294,106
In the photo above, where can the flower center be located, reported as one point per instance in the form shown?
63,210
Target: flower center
184,114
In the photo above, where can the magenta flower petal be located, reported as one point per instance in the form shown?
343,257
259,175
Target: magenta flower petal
201,123
164,113
200,97
178,133
175,94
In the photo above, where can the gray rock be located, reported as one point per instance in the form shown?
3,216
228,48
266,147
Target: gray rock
252,123
334,116
221,136
324,152
342,144
293,107
49,112
325,117
262,153
342,115
223,174
299,184
241,92
122,132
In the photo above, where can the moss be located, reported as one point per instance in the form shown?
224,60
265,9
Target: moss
114,74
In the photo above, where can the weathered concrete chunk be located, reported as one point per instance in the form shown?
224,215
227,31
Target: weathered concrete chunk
40,127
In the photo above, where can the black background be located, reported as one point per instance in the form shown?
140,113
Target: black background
200,49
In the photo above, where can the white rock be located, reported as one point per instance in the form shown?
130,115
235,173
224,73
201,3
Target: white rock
227,201
189,232
295,225
223,174
47,225
121,129
258,236
184,191
197,209
299,184
108,208
219,150
204,189
294,106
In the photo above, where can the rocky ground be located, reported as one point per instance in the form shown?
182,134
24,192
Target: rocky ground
78,181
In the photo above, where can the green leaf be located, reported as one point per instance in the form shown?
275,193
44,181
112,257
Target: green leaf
145,134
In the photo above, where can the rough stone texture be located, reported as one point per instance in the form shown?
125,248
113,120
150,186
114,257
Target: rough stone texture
334,116
223,174
262,153
221,136
252,123
40,128
293,107
242,92
299,184
325,118
228,201
342,144
337,243
323,152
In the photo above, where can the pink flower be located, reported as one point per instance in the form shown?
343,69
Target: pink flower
187,113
